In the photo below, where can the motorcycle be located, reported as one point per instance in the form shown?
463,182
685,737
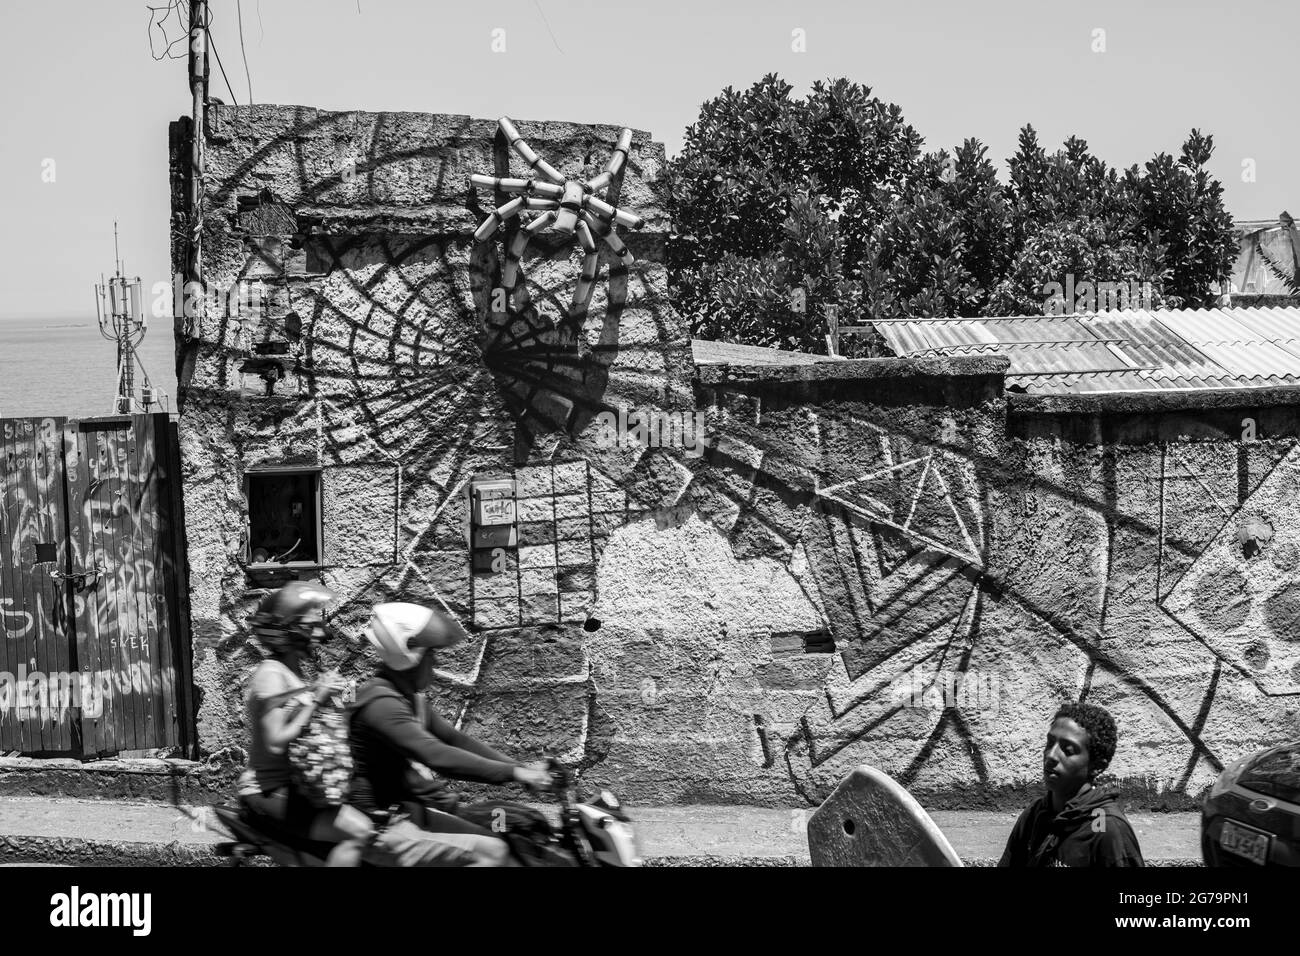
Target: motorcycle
591,831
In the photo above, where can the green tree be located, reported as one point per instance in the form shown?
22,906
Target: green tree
774,200
1179,205
784,208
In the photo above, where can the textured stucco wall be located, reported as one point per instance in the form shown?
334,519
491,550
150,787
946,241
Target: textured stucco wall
1045,552
850,525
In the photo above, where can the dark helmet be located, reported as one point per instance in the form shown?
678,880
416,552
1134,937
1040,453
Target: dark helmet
278,621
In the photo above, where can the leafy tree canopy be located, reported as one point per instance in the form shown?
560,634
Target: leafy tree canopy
784,207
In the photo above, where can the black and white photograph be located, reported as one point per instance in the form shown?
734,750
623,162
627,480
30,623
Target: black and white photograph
758,436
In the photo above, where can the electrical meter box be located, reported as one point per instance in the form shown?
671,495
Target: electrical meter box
493,521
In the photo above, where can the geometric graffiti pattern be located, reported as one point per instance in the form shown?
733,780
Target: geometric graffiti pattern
915,587
1243,599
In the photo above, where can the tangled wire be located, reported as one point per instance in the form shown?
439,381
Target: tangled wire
158,21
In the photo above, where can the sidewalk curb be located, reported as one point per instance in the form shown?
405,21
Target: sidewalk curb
78,852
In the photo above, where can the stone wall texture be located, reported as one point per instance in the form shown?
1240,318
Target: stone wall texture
882,561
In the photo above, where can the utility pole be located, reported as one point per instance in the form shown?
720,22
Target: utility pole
193,296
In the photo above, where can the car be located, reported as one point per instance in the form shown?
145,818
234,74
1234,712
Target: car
1251,816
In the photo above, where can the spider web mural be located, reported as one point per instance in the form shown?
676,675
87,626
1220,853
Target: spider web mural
386,350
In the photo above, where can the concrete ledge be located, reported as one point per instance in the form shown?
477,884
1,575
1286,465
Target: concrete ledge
75,851
1112,403
994,366
155,780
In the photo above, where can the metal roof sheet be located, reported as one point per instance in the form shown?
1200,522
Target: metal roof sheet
1128,350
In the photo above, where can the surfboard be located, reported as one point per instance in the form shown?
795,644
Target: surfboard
871,820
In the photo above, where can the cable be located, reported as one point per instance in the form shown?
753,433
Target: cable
239,12
233,99
538,5
181,9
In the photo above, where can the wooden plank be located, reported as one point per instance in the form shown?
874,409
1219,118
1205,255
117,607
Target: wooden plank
117,626
85,600
63,590
141,571
176,581
119,527
16,621
24,448
10,733
49,636
163,672
56,590
21,451
145,565
129,536
38,741
50,479
168,713
142,583
128,618
100,504
66,449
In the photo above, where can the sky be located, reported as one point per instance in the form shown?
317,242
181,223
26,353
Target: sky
84,106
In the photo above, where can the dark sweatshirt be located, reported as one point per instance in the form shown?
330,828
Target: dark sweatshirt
387,734
1090,830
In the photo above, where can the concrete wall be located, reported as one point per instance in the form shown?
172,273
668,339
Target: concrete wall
742,625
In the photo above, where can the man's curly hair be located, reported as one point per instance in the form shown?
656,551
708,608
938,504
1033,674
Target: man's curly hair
1103,735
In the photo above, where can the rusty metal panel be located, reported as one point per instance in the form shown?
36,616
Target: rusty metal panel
122,524
37,712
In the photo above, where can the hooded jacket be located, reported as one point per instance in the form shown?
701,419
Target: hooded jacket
391,727
1090,830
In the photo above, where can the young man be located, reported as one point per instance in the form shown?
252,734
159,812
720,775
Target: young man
1076,823
393,728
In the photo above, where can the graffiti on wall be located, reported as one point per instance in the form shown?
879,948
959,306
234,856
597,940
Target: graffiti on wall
84,590
932,548
935,559
451,358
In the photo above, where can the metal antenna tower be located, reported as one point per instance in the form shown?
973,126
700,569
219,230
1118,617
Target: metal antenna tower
120,310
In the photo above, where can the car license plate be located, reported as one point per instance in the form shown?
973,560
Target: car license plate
1245,841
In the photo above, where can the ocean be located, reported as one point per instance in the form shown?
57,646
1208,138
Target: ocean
62,367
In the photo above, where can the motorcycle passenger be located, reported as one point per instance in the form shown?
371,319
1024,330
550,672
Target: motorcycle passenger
279,705
393,728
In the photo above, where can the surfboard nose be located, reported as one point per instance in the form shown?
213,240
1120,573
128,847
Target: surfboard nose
871,820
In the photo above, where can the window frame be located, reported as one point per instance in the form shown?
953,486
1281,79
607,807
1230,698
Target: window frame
318,475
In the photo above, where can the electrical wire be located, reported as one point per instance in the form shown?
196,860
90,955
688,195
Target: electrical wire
181,9
158,17
538,5
239,12
221,66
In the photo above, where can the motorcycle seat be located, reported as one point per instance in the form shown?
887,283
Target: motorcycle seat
268,828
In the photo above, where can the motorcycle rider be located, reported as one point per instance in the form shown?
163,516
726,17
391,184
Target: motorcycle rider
392,727
279,705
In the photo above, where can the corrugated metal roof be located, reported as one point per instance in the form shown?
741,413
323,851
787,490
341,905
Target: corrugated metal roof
1123,351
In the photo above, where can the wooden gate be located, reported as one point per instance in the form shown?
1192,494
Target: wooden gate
91,587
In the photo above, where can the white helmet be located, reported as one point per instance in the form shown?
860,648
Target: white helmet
402,632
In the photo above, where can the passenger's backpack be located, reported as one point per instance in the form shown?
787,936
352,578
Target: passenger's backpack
321,757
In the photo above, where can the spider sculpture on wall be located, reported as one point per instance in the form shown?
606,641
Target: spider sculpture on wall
570,205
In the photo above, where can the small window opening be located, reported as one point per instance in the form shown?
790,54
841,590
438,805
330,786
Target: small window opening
284,517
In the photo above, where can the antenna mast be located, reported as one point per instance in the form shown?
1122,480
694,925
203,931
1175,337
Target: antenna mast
120,310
